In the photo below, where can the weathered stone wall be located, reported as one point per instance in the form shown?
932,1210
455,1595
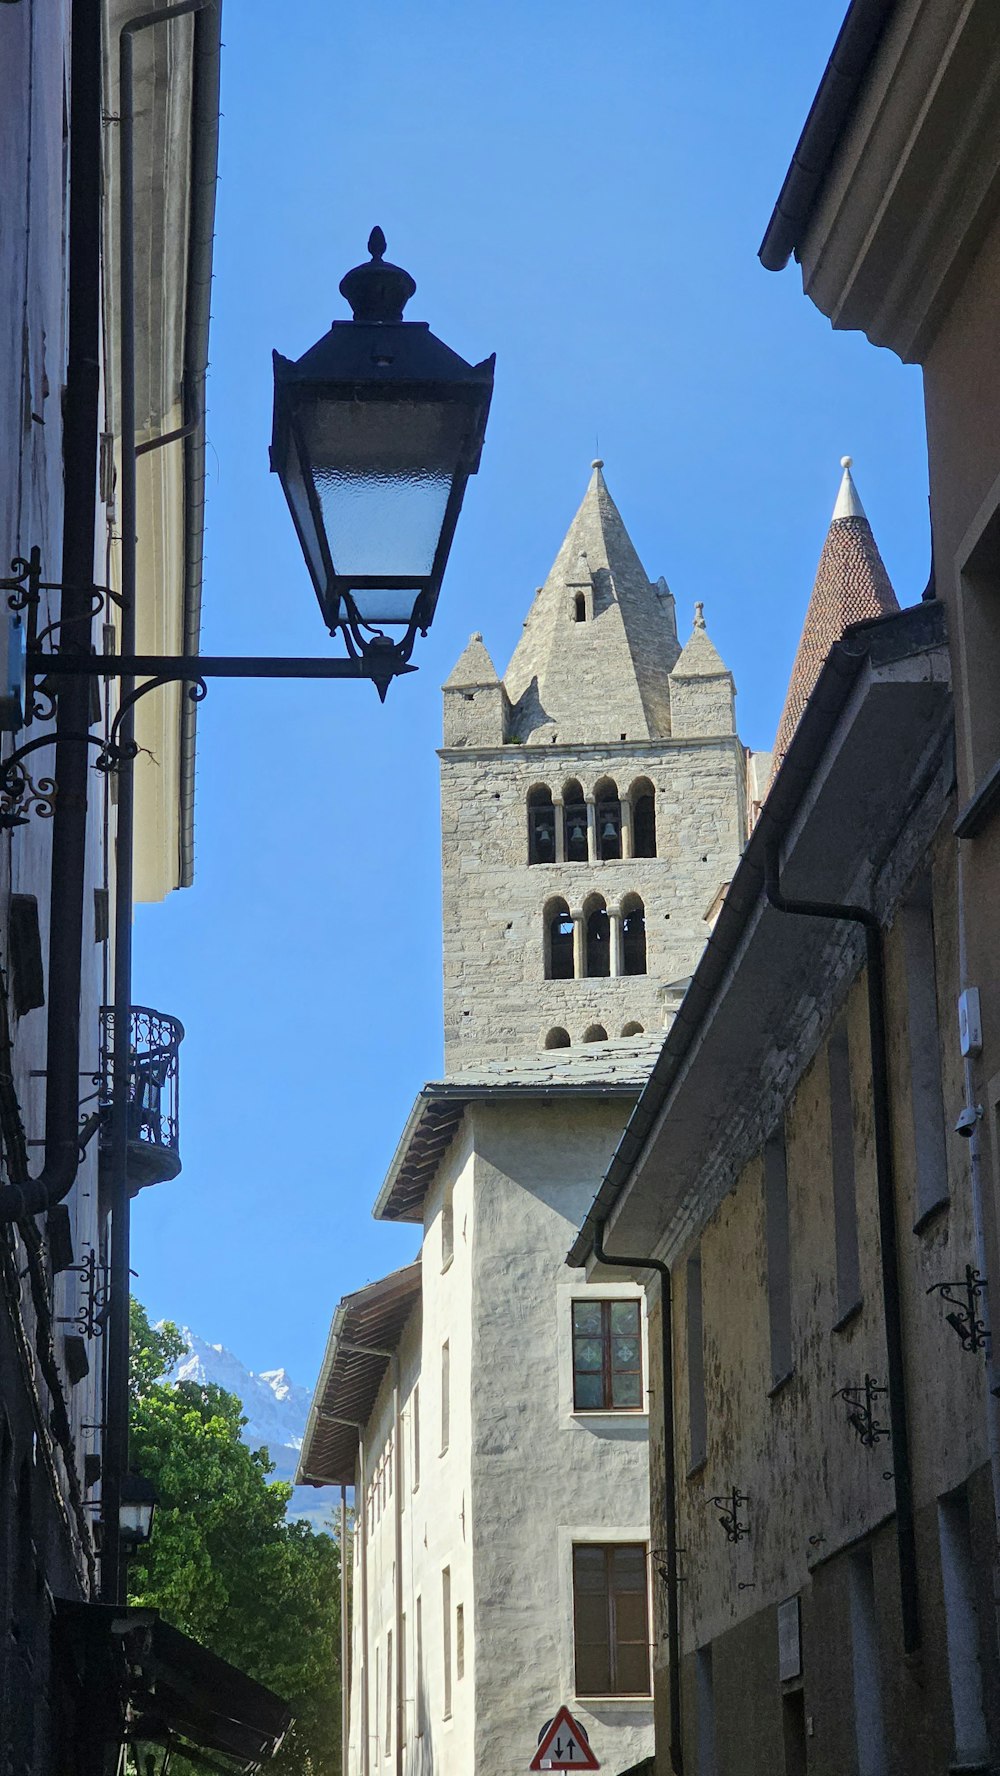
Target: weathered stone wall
497,1001
475,716
815,1494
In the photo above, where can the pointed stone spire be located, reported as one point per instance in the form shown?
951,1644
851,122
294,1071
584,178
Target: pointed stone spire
851,586
473,667
476,710
599,641
702,693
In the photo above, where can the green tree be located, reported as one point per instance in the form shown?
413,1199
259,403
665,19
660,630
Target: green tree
224,1564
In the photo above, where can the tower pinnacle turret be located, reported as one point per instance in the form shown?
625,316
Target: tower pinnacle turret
851,585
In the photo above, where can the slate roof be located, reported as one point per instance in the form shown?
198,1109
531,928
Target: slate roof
851,586
619,1068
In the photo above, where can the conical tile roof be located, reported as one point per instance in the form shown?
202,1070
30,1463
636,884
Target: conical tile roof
605,676
851,585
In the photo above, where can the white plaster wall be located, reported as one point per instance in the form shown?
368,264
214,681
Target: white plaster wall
542,1475
523,1477
436,1522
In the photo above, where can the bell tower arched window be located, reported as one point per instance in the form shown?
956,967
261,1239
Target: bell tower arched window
643,799
579,608
558,941
609,819
541,825
598,936
575,818
633,935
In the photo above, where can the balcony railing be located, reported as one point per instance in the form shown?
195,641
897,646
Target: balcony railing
153,1136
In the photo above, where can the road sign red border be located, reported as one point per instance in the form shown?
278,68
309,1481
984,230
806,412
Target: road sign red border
561,1719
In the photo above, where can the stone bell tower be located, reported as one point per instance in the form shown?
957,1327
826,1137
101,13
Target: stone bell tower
592,806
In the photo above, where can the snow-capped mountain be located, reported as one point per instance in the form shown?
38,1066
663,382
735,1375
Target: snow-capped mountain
275,1410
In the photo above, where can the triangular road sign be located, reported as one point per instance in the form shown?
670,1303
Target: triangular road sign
563,1746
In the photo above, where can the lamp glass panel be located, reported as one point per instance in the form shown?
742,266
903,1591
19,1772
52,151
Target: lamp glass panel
383,472
135,1520
298,498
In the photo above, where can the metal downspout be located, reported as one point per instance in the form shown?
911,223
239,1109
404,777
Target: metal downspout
979,1221
669,1484
116,1442
888,1238
345,1641
61,1157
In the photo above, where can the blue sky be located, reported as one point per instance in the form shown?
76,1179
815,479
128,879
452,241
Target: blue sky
582,189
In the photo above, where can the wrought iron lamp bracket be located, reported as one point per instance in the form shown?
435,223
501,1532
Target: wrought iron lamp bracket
965,1322
93,1309
371,654
729,1507
861,1416
24,587
659,1558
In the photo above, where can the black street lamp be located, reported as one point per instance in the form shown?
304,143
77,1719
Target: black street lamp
377,429
376,432
137,1500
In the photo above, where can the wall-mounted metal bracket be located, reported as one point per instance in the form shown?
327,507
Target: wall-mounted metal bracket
729,1506
93,1309
965,1321
861,1417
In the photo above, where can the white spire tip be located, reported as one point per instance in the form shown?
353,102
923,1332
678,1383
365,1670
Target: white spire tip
846,461
598,462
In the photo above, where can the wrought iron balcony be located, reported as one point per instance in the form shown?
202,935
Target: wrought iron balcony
153,1143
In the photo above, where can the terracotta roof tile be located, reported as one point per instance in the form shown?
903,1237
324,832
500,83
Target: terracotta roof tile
851,586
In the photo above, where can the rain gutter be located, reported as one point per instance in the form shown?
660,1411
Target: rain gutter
207,60
858,39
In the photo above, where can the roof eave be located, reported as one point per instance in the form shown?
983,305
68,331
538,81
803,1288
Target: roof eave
829,113
816,726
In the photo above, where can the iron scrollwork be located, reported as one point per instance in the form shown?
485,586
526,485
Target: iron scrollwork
93,1309
24,587
965,1320
729,1507
861,1416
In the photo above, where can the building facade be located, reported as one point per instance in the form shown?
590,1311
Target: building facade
73,1663
814,1161
489,1409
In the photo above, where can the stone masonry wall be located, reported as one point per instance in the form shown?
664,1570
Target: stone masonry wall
497,1002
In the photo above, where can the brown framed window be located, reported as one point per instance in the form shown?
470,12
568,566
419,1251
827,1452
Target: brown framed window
610,1619
607,1356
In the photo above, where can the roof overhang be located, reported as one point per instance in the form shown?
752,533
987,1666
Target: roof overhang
176,104
873,729
437,1115
170,1689
366,1330
896,177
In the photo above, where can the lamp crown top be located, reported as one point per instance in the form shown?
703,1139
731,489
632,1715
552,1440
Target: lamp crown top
377,291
